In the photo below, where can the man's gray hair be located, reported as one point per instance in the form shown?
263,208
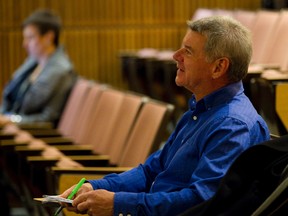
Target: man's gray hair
226,37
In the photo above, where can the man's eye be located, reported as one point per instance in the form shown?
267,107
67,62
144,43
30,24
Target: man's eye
187,51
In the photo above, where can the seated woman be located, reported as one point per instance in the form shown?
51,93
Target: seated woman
40,86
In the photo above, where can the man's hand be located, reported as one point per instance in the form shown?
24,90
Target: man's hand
96,202
83,189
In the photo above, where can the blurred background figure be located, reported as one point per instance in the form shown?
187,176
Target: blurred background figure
40,86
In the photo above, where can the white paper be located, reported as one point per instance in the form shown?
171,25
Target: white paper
56,198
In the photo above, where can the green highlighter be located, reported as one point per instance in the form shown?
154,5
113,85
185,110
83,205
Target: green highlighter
73,192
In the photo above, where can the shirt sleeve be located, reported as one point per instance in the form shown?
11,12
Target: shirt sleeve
138,179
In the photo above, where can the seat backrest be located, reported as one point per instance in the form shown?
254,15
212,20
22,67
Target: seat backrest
203,12
102,117
262,33
86,111
115,142
73,106
276,52
247,18
147,132
224,12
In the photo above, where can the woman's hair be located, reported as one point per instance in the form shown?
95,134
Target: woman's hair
45,20
226,37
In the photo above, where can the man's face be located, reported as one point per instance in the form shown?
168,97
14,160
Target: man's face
194,72
34,43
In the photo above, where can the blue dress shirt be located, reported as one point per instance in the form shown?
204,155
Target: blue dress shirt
187,171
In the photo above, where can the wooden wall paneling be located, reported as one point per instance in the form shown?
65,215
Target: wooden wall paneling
113,73
102,57
119,41
86,50
192,6
121,4
95,52
148,11
6,14
177,11
138,39
12,55
15,52
91,54
138,11
160,38
172,41
145,38
109,59
129,10
129,39
112,11
3,59
91,26
116,66
72,42
72,12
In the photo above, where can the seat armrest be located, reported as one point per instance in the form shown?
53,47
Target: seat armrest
65,149
88,170
36,125
85,160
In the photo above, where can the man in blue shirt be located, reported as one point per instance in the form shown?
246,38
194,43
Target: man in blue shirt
220,124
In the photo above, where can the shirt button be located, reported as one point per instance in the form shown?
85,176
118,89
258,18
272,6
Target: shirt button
195,118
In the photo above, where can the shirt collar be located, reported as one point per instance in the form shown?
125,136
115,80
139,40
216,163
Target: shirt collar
220,96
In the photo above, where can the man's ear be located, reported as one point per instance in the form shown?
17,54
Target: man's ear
221,66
